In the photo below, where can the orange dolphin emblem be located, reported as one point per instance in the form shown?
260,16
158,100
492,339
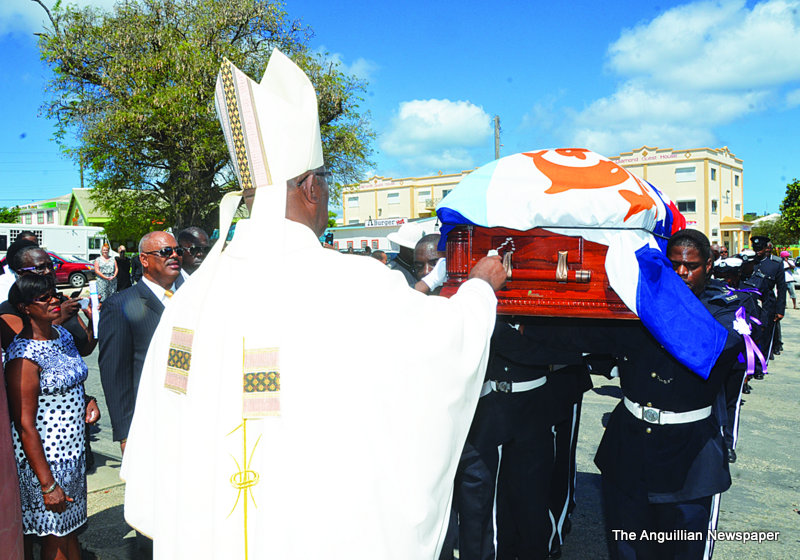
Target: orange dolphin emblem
603,175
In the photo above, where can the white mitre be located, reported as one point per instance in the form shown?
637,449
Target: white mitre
271,128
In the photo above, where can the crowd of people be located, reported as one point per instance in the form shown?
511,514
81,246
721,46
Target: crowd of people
222,391
44,338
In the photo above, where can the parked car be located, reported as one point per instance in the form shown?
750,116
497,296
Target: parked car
72,270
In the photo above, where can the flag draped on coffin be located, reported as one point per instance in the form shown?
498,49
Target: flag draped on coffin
580,193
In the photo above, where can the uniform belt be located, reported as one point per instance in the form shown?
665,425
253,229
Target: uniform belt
511,386
657,416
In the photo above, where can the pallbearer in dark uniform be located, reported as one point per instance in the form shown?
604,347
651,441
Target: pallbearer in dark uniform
663,457
726,284
767,276
513,414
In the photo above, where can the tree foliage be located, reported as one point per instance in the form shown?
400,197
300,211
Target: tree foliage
790,209
136,87
777,230
9,215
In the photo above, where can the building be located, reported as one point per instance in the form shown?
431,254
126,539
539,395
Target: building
373,234
382,198
82,211
706,184
45,212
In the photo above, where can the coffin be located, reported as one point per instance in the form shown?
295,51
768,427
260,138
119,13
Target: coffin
549,274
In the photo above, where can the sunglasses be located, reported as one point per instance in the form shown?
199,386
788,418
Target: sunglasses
166,252
46,298
197,249
39,269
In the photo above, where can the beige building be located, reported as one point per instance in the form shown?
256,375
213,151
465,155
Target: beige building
706,184
382,198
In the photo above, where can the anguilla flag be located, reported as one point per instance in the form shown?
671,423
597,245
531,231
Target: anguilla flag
577,192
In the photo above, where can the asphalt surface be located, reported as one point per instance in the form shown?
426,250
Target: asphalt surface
764,495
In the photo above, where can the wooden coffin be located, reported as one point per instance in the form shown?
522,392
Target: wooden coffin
549,275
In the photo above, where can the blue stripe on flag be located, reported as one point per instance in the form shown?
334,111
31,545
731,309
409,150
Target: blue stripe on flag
675,317
450,219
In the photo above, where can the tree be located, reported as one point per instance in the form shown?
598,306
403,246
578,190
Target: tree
136,86
777,230
790,209
9,215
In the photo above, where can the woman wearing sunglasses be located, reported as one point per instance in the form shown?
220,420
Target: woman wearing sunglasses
45,375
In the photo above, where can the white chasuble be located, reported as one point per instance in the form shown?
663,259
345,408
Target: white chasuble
347,451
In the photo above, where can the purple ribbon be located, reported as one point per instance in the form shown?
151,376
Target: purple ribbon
751,348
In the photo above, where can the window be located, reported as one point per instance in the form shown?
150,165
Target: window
714,232
685,174
352,221
363,243
349,244
374,244
738,211
686,206
423,196
335,244
735,180
445,192
51,216
393,198
713,174
28,218
352,202
39,217
713,206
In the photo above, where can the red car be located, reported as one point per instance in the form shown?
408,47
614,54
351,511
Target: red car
73,271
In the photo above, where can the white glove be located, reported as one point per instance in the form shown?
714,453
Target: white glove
437,276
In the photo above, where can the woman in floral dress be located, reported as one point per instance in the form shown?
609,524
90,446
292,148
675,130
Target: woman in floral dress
45,376
105,269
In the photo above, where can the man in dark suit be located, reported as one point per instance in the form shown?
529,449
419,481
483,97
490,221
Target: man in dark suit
767,276
127,322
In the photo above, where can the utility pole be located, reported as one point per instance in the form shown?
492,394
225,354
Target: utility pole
497,137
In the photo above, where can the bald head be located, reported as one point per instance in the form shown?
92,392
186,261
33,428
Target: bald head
160,261
307,200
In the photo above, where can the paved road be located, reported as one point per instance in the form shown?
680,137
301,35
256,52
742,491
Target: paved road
764,496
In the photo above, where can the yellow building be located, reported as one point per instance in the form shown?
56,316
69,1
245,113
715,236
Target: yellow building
382,198
706,184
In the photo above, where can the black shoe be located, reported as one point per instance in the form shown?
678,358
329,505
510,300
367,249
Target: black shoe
555,550
746,389
567,526
776,353
731,456
758,376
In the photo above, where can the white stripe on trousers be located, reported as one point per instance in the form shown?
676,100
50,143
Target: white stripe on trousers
712,526
558,527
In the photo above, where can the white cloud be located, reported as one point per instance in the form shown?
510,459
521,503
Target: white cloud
793,98
28,16
436,133
691,69
714,45
361,68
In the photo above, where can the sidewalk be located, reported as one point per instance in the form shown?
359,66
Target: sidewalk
764,495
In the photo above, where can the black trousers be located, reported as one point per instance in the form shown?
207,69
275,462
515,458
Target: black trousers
635,526
508,460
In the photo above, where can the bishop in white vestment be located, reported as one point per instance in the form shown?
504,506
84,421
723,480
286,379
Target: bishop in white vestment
298,403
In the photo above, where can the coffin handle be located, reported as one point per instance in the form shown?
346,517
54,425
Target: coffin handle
562,271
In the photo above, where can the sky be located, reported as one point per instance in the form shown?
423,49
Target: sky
609,76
